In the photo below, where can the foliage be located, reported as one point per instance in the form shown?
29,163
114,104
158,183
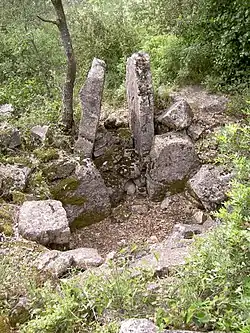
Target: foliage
85,304
213,291
224,27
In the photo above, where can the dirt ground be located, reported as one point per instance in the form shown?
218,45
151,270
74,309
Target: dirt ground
135,221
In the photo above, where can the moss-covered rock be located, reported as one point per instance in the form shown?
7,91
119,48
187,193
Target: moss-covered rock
88,218
38,186
19,197
65,190
84,195
7,218
59,169
46,154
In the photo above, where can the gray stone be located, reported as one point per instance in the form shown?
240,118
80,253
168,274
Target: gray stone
54,262
195,130
39,133
88,202
130,187
6,110
104,142
201,100
91,97
44,222
199,217
140,102
61,168
12,178
210,185
173,159
85,258
138,326
115,118
178,116
58,263
9,137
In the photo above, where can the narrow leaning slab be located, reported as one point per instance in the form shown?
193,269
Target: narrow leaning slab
91,97
44,222
140,102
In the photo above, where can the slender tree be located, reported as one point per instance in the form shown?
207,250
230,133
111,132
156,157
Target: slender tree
68,89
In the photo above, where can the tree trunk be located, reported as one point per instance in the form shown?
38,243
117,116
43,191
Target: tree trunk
68,89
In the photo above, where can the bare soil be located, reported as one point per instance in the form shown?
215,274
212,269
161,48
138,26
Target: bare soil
135,221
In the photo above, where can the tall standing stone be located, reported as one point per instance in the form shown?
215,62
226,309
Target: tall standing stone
140,102
91,97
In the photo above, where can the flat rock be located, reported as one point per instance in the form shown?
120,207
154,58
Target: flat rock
201,100
85,258
210,185
140,102
138,326
172,160
178,116
44,222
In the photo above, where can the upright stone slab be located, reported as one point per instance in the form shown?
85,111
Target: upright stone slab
91,97
140,102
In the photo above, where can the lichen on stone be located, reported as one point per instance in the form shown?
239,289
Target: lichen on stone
64,191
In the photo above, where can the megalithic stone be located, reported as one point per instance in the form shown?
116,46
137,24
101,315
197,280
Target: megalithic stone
140,102
91,98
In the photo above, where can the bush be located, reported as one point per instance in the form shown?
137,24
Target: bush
223,27
213,291
89,303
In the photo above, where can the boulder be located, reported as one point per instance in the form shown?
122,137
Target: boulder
91,97
178,116
9,137
210,185
12,178
39,133
140,102
54,262
58,263
84,195
85,258
199,99
138,326
45,222
172,160
60,168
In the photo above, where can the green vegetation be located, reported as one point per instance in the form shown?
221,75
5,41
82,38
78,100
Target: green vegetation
193,41
213,291
190,42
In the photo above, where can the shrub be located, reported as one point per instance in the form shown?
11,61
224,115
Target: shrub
214,287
